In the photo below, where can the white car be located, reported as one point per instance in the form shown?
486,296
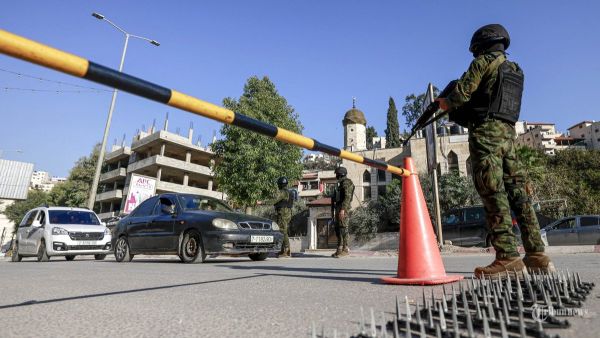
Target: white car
59,231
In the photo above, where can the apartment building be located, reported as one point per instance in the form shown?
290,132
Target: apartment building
177,164
539,135
588,132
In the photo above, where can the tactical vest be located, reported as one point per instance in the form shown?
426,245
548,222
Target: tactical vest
339,194
504,103
287,203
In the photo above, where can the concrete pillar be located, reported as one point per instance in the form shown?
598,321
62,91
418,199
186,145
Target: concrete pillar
191,132
186,178
115,185
188,156
158,174
162,149
210,185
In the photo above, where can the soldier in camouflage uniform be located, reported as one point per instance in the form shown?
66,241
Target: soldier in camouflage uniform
341,204
283,214
498,174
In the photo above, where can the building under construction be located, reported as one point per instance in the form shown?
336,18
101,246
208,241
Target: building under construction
177,164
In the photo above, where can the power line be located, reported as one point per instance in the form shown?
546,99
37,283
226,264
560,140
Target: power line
58,91
53,81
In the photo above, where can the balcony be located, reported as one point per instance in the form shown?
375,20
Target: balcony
113,175
110,196
162,187
116,155
167,162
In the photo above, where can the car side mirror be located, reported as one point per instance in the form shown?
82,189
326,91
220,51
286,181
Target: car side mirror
36,224
103,223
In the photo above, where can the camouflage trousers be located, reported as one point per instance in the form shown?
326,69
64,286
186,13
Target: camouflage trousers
500,180
283,217
341,229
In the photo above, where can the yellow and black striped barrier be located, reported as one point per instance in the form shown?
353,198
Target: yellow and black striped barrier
29,50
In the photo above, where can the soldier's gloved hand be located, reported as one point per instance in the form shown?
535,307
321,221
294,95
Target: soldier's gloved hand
443,103
342,214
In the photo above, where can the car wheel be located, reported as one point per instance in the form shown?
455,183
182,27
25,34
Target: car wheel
15,254
70,257
192,250
258,256
99,257
42,255
122,253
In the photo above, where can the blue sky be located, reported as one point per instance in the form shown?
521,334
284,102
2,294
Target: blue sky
319,54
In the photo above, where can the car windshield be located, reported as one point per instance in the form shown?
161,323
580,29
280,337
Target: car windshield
73,217
195,202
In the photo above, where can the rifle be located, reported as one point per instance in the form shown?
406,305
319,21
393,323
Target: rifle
428,115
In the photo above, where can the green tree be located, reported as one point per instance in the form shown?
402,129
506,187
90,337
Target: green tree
74,192
364,221
371,133
392,132
16,211
413,107
249,164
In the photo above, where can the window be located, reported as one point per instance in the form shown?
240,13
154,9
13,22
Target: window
453,217
381,190
381,175
367,177
73,217
314,185
366,193
197,202
452,161
474,215
146,208
28,219
589,221
566,224
167,201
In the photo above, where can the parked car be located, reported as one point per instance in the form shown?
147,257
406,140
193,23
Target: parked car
573,230
60,231
193,227
467,227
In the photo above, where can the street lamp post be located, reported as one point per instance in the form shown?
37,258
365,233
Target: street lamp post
92,197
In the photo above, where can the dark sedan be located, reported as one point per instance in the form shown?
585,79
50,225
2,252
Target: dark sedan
193,227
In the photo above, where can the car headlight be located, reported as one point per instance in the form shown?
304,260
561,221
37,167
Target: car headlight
274,226
59,231
224,224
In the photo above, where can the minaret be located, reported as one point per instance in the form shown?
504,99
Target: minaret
355,129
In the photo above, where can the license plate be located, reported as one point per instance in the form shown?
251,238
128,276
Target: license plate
261,239
86,242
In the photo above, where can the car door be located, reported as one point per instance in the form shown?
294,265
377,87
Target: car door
37,231
588,230
25,227
473,229
563,232
138,223
160,229
451,225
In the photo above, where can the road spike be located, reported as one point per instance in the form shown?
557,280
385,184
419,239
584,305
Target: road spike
323,331
373,325
508,283
486,326
454,308
438,331
383,325
408,312
422,332
424,300
455,318
418,312
469,319
442,316
430,315
490,309
478,309
521,320
408,329
334,333
362,321
396,333
519,290
397,308
432,299
313,330
503,333
497,292
505,309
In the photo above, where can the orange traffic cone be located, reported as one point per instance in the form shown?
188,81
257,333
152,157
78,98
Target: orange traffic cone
419,260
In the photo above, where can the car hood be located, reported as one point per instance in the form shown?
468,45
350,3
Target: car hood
232,216
80,227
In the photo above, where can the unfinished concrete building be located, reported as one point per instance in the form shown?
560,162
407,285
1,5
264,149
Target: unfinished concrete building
178,164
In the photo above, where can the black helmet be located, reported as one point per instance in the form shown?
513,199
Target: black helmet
341,172
282,181
489,35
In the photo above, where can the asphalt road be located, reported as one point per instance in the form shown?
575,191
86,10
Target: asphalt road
160,297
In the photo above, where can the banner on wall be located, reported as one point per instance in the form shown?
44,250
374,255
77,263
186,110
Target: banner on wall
140,189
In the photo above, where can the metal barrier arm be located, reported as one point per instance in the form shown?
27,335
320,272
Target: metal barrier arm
29,50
